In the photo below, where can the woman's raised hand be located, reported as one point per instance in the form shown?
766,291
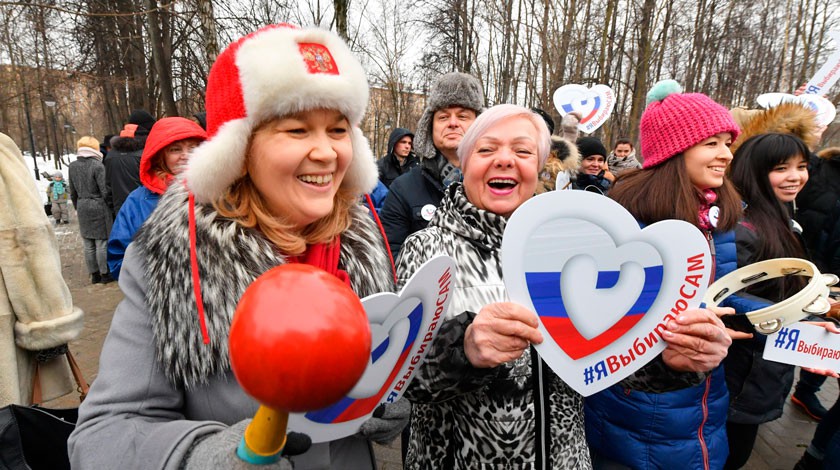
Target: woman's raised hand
697,340
500,333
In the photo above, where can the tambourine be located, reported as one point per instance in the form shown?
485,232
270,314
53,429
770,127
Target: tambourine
811,300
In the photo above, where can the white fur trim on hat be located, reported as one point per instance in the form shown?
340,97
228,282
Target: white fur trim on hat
265,75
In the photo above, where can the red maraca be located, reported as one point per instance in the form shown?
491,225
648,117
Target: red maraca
299,341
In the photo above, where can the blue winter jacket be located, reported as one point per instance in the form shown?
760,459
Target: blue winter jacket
134,211
683,429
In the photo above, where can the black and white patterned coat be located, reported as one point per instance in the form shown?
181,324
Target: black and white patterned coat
160,388
515,416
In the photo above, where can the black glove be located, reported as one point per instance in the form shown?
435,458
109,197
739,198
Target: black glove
387,422
219,451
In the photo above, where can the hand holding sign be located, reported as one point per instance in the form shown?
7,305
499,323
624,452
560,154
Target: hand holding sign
501,332
606,291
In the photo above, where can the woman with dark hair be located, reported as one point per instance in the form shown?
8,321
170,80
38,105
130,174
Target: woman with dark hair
768,170
685,140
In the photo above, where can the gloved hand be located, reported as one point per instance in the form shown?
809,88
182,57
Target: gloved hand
387,422
219,451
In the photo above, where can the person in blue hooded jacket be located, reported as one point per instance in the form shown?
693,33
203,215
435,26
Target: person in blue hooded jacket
167,149
685,140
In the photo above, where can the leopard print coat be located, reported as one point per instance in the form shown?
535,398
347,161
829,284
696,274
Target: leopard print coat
515,416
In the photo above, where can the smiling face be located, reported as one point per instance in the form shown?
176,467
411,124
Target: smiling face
706,162
448,128
501,172
623,150
176,154
788,178
592,164
297,164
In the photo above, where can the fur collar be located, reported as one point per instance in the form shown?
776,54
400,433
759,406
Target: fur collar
230,257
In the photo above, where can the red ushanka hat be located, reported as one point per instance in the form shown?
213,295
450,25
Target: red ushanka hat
273,72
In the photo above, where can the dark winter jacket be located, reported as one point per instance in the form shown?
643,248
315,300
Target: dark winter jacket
819,211
122,168
518,415
683,428
160,388
389,166
757,387
412,202
89,193
593,183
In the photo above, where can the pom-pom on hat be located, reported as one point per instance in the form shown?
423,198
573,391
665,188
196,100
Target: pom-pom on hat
675,121
274,72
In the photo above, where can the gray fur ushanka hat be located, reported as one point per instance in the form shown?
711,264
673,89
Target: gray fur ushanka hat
451,89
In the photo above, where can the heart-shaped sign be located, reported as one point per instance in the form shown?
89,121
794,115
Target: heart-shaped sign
594,104
402,329
823,108
602,288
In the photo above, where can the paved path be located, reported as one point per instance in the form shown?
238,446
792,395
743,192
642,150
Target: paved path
779,444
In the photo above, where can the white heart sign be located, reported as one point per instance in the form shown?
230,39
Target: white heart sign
603,288
403,327
594,104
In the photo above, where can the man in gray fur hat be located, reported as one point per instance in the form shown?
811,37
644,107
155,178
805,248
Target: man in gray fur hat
454,102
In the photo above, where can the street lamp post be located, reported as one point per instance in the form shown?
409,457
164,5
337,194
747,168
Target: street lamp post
50,102
31,138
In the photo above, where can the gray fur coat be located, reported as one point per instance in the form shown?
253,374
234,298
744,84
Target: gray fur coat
160,388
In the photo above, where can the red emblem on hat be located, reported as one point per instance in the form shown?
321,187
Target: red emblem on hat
317,58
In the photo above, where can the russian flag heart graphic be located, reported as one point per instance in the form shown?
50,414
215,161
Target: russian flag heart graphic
403,327
600,285
595,105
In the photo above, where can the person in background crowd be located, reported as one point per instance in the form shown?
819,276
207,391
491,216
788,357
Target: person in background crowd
105,147
277,181
38,316
593,174
453,104
685,140
89,193
57,194
623,157
768,170
122,168
815,211
561,167
399,159
165,156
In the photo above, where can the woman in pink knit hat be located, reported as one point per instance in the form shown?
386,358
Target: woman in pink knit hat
685,139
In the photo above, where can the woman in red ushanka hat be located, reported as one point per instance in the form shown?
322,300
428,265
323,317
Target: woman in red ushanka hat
165,156
276,181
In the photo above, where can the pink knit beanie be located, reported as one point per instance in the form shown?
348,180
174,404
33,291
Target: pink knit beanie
675,121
